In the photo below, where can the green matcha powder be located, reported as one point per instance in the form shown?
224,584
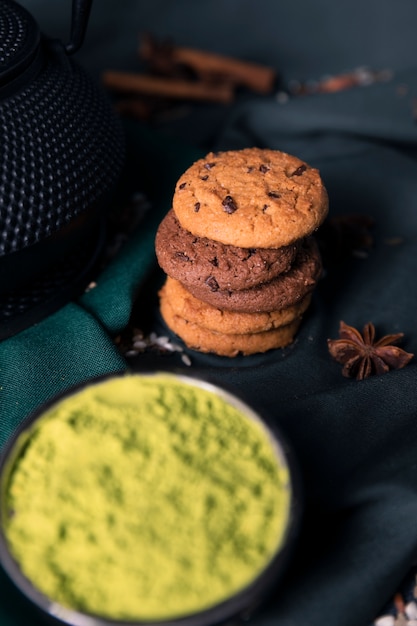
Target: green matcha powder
145,498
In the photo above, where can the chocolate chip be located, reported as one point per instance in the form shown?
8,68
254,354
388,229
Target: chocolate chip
197,207
214,262
204,177
250,169
208,166
299,170
274,194
212,283
264,208
182,185
182,256
229,204
264,168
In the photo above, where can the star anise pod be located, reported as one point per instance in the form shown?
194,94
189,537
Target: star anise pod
362,356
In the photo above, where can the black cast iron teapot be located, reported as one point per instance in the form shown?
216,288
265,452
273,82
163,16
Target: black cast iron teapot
61,146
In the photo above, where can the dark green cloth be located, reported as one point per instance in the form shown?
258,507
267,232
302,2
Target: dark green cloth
356,442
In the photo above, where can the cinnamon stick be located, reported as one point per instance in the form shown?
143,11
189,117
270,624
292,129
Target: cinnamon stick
127,82
209,65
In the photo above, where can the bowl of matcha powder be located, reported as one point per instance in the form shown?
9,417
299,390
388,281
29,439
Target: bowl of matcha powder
146,498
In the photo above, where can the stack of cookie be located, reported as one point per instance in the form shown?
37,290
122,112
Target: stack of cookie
239,252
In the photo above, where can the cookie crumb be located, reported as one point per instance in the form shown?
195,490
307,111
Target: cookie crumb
186,359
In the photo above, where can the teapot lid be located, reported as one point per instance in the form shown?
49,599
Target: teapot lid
19,40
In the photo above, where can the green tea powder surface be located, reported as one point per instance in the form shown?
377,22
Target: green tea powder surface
145,497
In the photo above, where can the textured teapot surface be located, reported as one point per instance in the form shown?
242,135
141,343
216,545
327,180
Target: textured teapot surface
19,40
61,145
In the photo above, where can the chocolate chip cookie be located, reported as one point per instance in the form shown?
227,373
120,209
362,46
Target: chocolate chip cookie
251,198
212,265
185,305
283,291
199,338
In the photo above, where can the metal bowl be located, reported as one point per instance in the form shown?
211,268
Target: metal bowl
241,602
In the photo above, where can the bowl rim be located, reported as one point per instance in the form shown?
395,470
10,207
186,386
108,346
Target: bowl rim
244,602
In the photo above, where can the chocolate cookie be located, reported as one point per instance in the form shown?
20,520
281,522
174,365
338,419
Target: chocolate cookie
281,292
198,338
251,198
202,261
186,306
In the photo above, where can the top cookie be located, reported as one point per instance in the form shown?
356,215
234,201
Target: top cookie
251,198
